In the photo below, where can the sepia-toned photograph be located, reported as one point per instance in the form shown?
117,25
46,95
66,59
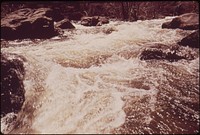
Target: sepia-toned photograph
99,67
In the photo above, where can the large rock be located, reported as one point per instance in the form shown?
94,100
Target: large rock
189,21
94,21
89,21
158,54
12,88
163,52
28,23
65,24
191,40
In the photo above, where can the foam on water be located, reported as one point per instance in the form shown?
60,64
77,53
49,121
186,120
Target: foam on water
94,82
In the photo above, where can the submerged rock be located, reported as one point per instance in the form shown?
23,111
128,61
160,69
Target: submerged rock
169,53
12,88
159,55
191,40
94,21
28,23
188,21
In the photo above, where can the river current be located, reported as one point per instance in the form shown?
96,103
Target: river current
91,80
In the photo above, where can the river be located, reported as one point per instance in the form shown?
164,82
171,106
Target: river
92,80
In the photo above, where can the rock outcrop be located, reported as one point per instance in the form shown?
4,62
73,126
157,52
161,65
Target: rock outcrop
30,23
12,88
188,21
94,21
191,40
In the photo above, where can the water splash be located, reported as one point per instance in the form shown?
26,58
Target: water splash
92,81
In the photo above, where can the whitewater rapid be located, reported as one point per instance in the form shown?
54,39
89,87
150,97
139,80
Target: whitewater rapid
91,80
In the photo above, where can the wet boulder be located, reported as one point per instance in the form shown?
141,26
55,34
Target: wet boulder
157,54
103,20
188,21
94,21
65,24
28,23
89,21
164,52
191,40
166,25
12,88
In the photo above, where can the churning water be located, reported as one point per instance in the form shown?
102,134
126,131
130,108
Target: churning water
92,80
